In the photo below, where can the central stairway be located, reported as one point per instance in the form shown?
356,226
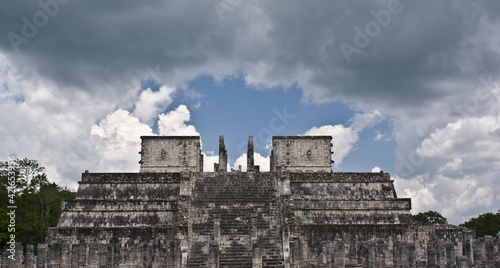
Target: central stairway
234,220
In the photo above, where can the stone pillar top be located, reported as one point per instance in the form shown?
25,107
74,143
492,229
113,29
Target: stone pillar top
250,155
222,155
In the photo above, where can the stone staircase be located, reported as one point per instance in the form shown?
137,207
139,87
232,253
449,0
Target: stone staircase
236,255
244,207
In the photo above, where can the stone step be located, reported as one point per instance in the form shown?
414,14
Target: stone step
197,263
236,189
229,198
233,199
236,195
272,261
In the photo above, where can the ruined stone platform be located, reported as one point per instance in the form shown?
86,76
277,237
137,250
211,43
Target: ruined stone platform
299,214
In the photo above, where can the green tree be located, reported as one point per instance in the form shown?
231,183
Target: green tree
40,210
29,175
4,225
430,217
484,224
38,201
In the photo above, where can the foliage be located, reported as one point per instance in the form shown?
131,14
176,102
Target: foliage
484,224
38,201
430,217
30,176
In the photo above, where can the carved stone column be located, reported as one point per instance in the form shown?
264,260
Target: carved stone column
288,230
182,217
250,155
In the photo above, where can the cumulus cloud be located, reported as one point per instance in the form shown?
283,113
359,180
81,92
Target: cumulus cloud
345,138
470,138
209,158
151,103
378,137
41,121
422,194
376,169
259,160
119,135
173,123
460,164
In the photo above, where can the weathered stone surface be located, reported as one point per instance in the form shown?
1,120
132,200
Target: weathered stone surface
222,165
284,218
302,154
250,155
171,154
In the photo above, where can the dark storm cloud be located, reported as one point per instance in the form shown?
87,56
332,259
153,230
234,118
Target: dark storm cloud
421,43
88,42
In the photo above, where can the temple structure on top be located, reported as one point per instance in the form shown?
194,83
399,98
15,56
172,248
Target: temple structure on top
171,154
302,154
299,214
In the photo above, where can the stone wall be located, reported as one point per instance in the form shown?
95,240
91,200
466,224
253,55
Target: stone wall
302,153
171,154
407,245
346,198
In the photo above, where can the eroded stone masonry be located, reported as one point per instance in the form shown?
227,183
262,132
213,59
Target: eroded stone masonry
300,214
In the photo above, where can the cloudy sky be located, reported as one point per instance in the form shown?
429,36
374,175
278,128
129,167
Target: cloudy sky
409,87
